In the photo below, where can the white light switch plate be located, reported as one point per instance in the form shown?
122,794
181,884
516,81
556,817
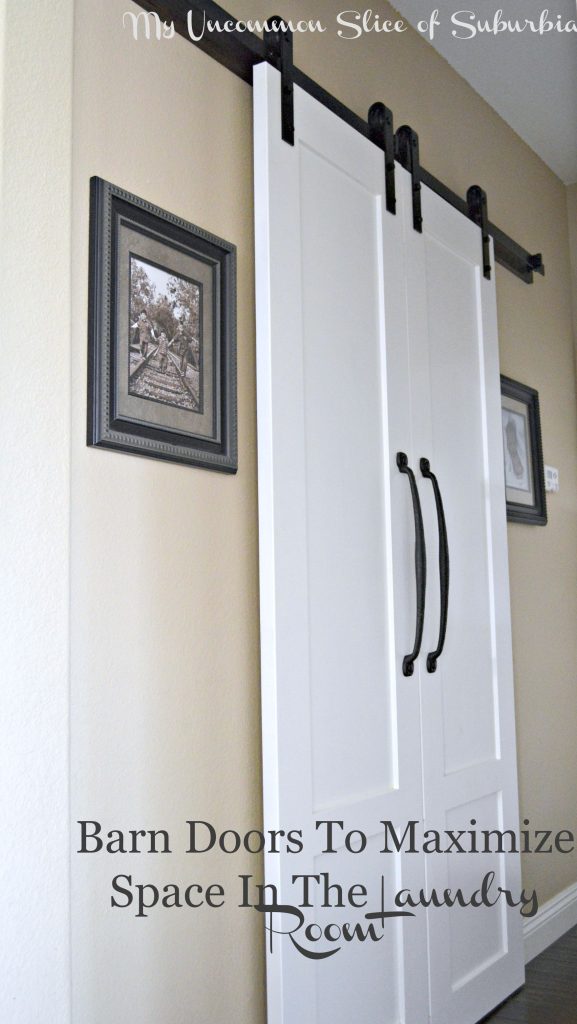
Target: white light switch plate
551,478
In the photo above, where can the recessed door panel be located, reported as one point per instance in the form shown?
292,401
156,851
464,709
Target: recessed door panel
458,455
478,934
346,516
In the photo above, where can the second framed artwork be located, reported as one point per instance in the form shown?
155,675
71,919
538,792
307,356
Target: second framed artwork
162,334
523,453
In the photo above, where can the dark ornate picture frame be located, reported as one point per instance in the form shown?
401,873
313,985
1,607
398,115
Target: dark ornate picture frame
523,453
161,334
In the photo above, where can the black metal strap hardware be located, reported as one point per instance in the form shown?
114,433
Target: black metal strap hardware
239,50
407,153
477,203
278,39
420,564
380,120
434,656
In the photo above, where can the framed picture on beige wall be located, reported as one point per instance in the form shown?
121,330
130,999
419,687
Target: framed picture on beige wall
522,453
162,321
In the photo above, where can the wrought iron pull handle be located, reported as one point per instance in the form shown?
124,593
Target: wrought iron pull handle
420,564
434,656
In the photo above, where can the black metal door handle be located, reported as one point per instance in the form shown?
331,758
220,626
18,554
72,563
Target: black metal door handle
434,656
420,564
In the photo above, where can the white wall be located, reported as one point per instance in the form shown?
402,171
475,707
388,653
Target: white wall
34,502
572,217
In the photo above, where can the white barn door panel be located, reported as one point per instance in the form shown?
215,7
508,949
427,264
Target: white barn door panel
340,726
469,757
373,339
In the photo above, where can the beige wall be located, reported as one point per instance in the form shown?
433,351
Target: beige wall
165,699
165,689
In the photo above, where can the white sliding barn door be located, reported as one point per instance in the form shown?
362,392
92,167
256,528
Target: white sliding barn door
469,756
373,339
341,731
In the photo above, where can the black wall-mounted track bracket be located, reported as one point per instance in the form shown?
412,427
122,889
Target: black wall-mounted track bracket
477,203
381,132
278,40
535,263
407,153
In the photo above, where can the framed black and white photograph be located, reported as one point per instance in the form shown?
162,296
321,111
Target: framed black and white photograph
522,453
162,325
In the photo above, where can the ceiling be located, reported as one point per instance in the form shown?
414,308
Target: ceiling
528,78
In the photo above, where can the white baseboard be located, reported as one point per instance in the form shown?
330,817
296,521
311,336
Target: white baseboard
551,921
